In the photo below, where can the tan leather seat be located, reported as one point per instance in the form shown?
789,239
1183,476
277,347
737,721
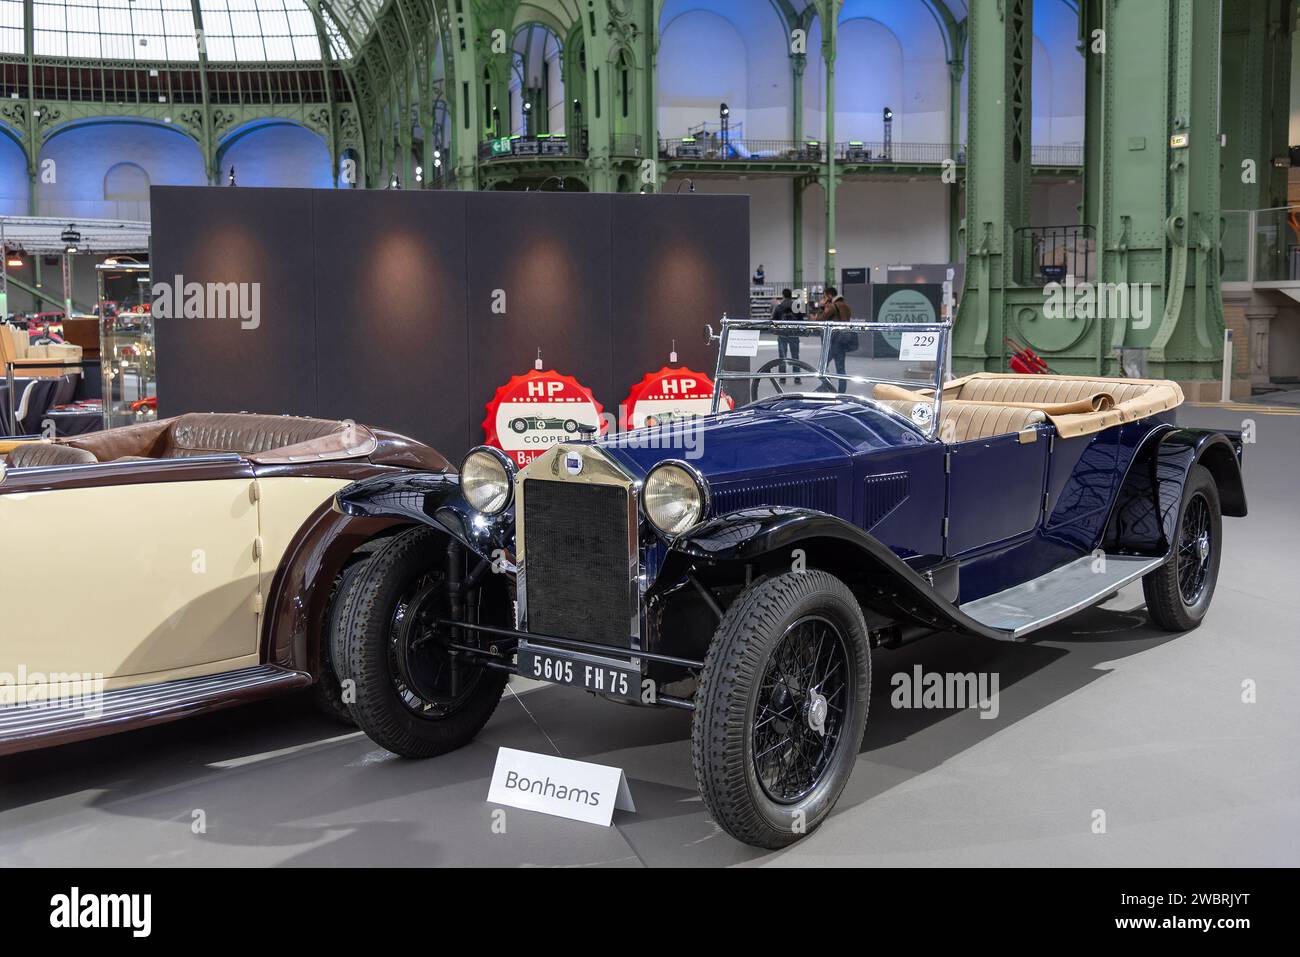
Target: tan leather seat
964,421
1075,405
39,454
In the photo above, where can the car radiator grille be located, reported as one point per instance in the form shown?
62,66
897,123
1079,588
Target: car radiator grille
577,562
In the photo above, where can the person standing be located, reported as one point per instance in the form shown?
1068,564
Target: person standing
787,344
843,341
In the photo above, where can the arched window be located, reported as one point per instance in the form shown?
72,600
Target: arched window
126,182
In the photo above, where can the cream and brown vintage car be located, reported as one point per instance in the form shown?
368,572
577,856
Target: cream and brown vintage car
171,567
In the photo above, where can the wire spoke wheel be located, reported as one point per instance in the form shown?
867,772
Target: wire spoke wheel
800,709
1195,550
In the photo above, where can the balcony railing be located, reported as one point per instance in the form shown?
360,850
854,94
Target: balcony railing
862,151
715,147
1071,155
625,144
1046,254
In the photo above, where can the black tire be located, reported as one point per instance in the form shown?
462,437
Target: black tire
571,426
409,721
748,646
1178,593
519,426
328,690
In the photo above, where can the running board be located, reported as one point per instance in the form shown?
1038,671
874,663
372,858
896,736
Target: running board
1061,592
43,723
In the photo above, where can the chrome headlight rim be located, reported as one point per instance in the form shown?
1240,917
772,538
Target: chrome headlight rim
508,469
701,485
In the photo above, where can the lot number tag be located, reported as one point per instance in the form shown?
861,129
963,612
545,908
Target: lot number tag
551,785
743,342
919,346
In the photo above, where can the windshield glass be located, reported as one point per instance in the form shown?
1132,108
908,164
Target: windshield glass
885,361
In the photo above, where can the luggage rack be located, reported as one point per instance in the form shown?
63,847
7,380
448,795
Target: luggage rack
825,331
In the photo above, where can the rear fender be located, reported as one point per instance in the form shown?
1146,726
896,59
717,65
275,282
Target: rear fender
1144,518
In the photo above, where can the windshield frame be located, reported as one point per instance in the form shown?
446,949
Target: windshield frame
824,331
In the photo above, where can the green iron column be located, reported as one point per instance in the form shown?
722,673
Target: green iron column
598,102
798,65
956,69
829,10
209,148
999,50
464,106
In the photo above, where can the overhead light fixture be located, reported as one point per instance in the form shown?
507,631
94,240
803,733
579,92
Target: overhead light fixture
70,238
13,259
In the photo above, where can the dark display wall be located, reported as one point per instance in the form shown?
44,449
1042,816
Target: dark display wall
378,306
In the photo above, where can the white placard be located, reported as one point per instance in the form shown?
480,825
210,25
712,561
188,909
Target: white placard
573,789
743,342
918,346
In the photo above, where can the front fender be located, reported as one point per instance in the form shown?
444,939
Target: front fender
769,537
433,500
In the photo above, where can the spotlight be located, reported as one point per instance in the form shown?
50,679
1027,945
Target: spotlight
724,110
70,238
394,182
419,174
230,180
13,258
889,114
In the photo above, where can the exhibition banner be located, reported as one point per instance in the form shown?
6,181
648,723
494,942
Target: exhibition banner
541,408
669,395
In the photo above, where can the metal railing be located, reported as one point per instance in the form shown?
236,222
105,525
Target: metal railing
1261,245
1071,155
625,144
864,151
715,147
1046,254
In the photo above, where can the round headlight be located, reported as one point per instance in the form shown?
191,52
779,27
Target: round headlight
675,498
487,480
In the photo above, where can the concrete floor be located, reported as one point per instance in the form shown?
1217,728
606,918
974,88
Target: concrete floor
1101,712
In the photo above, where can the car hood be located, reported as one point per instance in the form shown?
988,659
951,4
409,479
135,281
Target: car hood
751,443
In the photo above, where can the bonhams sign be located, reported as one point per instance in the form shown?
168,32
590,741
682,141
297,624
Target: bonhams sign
534,411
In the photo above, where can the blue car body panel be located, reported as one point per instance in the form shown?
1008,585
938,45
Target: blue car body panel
997,511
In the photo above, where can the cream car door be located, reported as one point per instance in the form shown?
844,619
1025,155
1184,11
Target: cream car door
134,582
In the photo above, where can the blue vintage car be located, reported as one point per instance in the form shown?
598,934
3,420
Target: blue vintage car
744,565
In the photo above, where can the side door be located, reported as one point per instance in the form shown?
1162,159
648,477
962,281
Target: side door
136,572
996,490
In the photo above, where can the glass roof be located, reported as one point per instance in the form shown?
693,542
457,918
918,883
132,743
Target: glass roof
234,31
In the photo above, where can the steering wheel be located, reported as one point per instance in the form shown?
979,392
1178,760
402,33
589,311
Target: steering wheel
794,368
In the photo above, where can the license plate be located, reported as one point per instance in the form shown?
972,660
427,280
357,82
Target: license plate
579,672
